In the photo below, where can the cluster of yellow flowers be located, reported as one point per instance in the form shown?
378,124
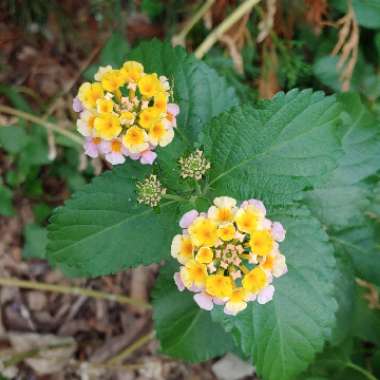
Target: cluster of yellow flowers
125,113
229,255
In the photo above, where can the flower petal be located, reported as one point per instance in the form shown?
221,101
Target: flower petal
204,301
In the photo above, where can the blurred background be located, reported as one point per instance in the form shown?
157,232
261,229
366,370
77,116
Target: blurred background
47,48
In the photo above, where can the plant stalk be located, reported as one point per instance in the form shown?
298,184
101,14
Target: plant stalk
218,32
38,120
14,282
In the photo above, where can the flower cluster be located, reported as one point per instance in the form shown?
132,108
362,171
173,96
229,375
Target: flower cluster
194,166
125,113
150,191
229,255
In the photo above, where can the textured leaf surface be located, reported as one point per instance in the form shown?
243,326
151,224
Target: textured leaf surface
284,335
103,229
279,147
184,330
342,198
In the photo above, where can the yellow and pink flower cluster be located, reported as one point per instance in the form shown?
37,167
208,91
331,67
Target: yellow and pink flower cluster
229,255
125,113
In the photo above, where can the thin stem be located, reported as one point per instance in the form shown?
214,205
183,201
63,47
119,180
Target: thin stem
35,119
361,370
218,32
179,39
21,356
131,349
14,282
174,197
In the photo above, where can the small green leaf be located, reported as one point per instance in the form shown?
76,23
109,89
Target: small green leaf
6,196
35,242
366,320
275,150
184,330
283,336
13,139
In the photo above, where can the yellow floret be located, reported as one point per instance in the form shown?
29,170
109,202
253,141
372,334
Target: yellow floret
89,93
248,219
107,126
204,255
255,280
132,71
193,273
149,85
104,105
135,140
226,232
203,232
218,285
149,117
261,242
112,80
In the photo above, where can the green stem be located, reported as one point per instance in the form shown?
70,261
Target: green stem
225,25
179,39
38,120
14,282
131,349
361,370
174,197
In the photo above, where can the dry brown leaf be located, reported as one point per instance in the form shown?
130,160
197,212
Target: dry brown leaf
55,352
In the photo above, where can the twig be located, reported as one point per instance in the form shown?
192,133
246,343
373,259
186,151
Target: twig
218,32
21,356
131,349
14,282
35,119
179,39
71,84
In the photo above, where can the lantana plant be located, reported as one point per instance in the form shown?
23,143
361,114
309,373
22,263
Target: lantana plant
239,202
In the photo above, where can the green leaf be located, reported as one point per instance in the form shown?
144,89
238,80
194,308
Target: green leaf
367,12
35,242
362,244
341,199
114,53
102,229
366,320
6,196
184,330
13,139
345,297
279,148
283,336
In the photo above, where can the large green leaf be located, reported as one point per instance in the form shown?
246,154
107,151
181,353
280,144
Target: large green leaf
185,331
341,199
103,229
283,336
275,150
